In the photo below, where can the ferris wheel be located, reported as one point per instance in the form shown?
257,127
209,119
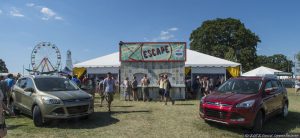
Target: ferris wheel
45,58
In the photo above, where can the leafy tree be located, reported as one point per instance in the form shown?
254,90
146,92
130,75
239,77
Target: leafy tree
226,38
3,68
277,61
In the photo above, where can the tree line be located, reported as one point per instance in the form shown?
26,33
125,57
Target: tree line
3,68
229,39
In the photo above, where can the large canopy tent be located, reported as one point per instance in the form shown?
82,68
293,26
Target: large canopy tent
261,71
197,64
194,60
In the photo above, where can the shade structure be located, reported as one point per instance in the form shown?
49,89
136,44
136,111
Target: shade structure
194,59
261,71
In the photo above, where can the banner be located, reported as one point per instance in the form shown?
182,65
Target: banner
234,71
153,52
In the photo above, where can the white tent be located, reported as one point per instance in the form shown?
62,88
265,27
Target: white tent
194,59
261,71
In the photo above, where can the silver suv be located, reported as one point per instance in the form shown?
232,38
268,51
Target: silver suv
50,97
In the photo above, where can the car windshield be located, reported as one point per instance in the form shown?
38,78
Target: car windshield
241,86
55,84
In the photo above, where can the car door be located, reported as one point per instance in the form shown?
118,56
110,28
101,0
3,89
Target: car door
18,91
269,99
27,97
278,94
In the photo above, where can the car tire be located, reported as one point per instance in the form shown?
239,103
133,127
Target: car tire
258,122
37,116
285,110
85,117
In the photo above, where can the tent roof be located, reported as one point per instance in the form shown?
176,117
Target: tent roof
194,59
197,59
111,60
260,71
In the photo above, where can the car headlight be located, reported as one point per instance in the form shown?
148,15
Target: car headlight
246,104
50,100
202,99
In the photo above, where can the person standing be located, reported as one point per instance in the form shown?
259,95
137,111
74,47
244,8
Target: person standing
161,87
3,107
211,84
167,87
10,83
4,89
109,87
76,80
199,92
134,85
206,86
127,85
100,91
145,90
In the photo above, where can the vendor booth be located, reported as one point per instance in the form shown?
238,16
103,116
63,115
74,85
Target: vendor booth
154,59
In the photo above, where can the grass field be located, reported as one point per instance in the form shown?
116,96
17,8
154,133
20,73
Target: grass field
139,119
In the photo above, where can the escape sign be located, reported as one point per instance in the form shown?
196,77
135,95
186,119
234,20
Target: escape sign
153,51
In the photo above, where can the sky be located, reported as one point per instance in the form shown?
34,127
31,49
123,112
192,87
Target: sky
93,28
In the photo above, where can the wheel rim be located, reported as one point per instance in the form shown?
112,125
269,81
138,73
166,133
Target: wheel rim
285,110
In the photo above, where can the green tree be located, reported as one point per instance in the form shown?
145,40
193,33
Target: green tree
276,61
3,68
226,38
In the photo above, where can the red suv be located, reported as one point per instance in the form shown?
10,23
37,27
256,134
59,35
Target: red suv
245,101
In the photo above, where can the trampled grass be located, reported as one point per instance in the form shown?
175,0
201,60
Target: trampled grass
147,119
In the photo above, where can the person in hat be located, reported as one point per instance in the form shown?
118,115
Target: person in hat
134,85
145,90
127,86
109,85
160,83
167,87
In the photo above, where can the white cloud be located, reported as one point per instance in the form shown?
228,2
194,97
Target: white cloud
15,12
58,18
49,14
166,35
0,11
173,29
30,4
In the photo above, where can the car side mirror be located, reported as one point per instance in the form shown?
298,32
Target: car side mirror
29,90
268,90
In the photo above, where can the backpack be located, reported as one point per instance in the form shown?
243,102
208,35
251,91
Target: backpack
134,84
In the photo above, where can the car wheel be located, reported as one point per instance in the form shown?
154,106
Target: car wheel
37,116
285,110
85,117
258,122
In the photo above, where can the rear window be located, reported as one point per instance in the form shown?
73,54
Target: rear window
241,86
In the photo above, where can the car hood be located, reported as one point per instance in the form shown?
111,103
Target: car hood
68,95
228,98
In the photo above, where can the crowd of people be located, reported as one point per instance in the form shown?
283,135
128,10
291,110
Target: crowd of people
107,87
6,85
203,85
130,88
